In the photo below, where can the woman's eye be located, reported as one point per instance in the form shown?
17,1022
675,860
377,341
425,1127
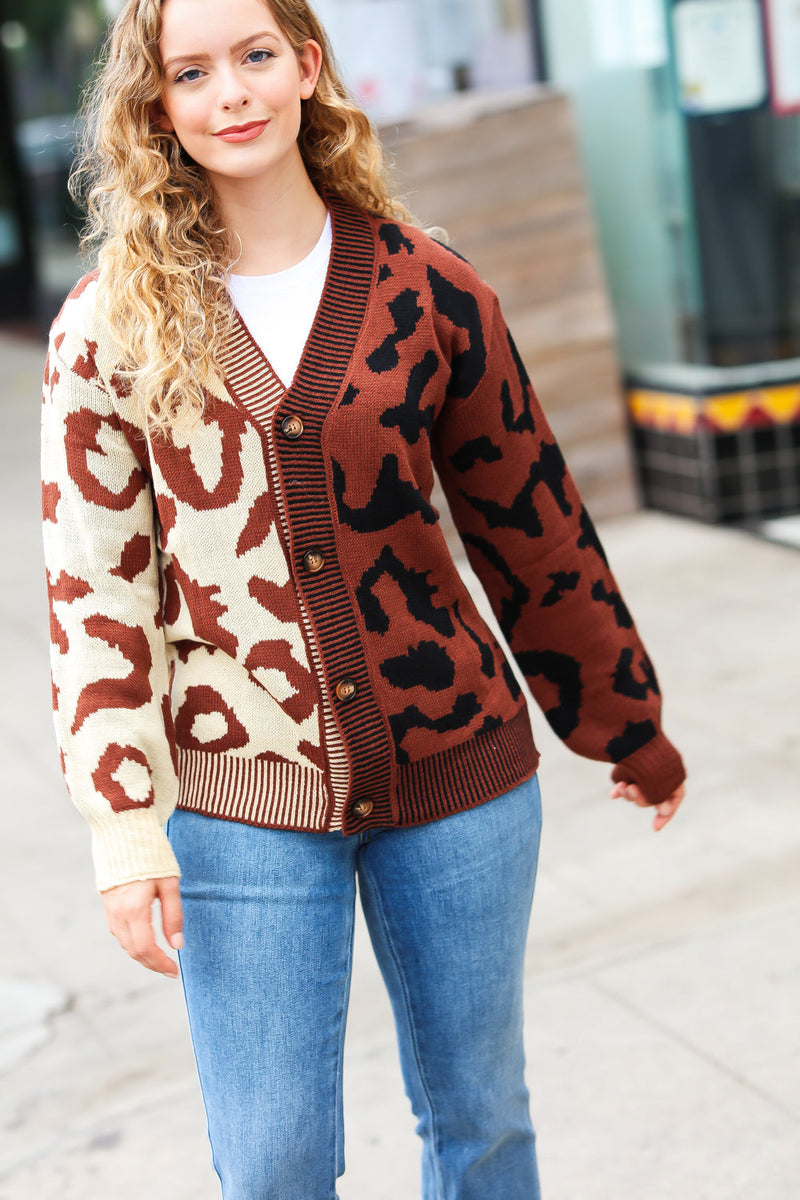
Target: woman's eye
258,56
189,75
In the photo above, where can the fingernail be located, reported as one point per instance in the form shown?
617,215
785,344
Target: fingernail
176,941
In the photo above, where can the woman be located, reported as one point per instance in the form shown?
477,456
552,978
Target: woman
258,633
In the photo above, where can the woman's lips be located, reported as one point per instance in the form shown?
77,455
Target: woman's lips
241,133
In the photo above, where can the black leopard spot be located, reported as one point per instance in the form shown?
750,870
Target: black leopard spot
588,539
406,313
615,602
511,681
410,417
351,394
417,592
550,470
461,308
522,374
563,582
384,273
510,605
520,514
392,499
479,449
427,665
394,239
636,735
521,423
464,709
485,650
563,671
626,683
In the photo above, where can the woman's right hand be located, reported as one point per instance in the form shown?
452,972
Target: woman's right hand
128,912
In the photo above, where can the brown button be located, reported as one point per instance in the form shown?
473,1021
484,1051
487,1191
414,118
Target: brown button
292,428
346,690
313,561
362,808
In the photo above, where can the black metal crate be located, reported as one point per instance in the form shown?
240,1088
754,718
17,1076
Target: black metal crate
718,455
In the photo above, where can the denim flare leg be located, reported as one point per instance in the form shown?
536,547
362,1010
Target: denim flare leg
266,972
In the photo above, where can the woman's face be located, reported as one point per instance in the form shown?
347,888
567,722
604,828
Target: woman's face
233,87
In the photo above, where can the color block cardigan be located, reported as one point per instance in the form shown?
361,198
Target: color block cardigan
259,619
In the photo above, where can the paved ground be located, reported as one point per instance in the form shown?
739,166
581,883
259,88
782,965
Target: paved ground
664,971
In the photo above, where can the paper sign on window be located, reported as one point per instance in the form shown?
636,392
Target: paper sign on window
719,50
783,43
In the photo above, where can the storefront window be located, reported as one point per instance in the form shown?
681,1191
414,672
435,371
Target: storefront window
399,54
613,58
688,116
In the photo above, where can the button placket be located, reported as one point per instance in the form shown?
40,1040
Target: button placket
292,427
346,690
313,561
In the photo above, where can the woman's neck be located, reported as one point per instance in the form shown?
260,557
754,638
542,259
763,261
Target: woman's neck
274,226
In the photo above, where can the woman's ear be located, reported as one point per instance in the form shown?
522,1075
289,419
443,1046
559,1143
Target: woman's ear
160,118
310,60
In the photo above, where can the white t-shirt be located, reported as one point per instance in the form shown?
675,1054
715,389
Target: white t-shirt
279,309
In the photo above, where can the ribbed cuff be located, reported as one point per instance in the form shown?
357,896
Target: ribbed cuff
129,846
657,769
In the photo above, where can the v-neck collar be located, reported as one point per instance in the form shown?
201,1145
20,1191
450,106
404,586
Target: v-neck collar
334,332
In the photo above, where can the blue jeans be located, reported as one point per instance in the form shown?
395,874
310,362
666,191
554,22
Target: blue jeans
266,972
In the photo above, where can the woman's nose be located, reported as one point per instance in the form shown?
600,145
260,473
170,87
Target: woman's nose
233,94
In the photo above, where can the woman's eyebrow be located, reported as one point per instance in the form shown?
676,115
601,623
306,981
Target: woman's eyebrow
202,56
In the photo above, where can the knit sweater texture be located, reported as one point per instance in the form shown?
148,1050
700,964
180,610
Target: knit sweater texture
259,619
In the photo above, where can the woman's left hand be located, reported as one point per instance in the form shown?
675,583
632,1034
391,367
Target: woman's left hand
664,811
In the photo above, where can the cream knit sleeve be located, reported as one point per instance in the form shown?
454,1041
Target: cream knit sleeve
109,660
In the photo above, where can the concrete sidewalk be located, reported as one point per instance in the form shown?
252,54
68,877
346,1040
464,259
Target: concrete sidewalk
664,971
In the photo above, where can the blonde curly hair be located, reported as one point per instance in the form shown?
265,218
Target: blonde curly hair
162,249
